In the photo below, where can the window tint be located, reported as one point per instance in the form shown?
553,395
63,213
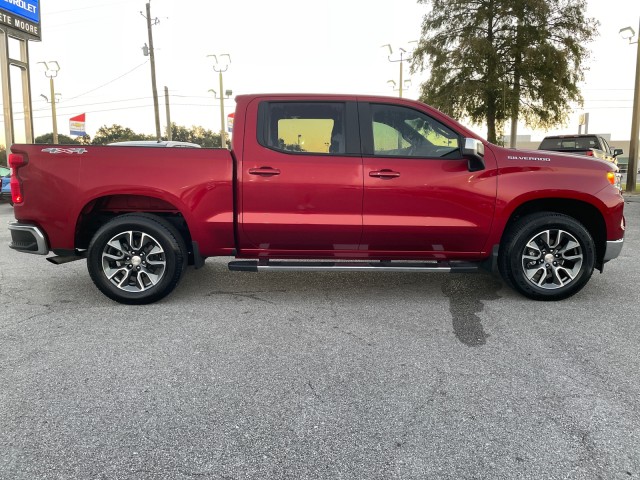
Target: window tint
306,127
404,132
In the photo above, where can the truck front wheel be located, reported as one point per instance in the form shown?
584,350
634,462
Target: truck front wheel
136,258
547,256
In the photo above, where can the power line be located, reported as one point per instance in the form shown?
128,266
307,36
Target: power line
110,81
62,106
133,107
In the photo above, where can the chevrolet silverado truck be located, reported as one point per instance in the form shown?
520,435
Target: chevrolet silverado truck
320,183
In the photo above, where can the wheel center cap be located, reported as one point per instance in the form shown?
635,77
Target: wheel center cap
548,258
135,261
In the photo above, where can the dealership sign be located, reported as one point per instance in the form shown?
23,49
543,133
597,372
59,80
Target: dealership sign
22,17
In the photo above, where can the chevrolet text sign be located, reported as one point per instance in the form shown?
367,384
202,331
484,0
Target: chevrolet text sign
22,16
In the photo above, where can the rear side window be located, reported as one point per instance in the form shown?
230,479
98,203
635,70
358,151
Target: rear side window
305,127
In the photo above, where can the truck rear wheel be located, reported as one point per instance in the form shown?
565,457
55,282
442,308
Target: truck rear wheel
136,258
547,256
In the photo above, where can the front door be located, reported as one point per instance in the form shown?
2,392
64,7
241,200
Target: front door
419,195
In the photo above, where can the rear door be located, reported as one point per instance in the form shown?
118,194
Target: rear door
419,195
301,177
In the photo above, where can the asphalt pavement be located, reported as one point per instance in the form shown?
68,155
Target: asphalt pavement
318,376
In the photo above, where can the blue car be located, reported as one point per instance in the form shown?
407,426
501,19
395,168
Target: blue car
5,193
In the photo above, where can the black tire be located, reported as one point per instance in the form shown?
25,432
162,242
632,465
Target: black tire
547,256
137,258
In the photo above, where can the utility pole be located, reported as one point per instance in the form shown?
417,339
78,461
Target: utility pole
166,102
156,108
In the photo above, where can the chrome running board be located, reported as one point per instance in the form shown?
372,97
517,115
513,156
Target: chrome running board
382,266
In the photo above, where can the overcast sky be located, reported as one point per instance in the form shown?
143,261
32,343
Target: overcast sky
275,46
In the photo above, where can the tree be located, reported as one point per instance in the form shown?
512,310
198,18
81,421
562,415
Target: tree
491,59
200,135
62,139
84,140
117,133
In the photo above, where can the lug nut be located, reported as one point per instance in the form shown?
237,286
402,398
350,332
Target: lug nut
138,268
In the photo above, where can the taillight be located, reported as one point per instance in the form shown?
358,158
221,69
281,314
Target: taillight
589,153
15,162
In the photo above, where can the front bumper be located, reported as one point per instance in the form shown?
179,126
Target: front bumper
27,239
613,249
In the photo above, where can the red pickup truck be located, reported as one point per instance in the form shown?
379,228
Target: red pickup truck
320,182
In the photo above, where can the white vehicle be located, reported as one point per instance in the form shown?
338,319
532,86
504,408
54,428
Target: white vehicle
153,143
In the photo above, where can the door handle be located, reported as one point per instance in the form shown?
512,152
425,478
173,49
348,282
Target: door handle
384,174
264,171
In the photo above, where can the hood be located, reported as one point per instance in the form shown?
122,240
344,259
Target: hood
524,157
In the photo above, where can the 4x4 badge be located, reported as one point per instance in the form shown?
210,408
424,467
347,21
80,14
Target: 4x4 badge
79,151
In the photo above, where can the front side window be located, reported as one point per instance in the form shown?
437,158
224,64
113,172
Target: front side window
306,127
404,132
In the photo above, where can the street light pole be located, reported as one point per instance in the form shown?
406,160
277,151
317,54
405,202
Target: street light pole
168,111
52,69
404,88
53,111
220,69
223,138
632,168
401,60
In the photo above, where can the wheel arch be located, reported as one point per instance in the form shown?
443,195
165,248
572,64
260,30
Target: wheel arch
100,210
584,212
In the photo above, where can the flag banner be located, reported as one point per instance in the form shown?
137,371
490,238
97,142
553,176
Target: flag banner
77,125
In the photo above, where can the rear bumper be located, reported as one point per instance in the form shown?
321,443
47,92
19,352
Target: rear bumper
27,239
613,249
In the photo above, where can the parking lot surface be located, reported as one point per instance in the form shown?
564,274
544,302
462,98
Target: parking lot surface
318,376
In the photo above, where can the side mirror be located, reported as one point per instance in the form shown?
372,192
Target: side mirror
617,151
474,151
